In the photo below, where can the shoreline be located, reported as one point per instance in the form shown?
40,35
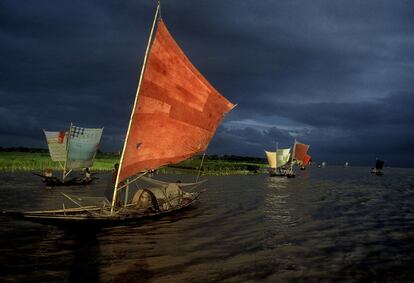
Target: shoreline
38,162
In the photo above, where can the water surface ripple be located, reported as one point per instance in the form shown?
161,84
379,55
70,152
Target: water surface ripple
327,225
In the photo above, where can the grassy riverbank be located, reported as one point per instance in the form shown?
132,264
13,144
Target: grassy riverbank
39,161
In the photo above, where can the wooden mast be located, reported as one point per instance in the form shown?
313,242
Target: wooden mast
293,156
135,103
277,147
67,151
201,165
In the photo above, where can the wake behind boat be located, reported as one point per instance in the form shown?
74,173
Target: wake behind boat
175,114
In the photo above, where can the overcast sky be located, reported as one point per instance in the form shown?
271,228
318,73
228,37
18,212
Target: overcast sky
338,75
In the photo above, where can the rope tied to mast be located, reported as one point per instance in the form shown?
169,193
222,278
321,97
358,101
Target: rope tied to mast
159,8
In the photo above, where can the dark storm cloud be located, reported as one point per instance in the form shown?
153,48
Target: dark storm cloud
394,109
335,74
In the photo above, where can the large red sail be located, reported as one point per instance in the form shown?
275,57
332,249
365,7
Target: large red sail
301,150
177,110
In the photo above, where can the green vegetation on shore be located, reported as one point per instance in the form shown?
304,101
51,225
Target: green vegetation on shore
39,161
11,161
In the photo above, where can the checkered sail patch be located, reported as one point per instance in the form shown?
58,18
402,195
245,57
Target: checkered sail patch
82,146
75,132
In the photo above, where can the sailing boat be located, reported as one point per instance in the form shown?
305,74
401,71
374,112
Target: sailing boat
277,160
175,114
75,149
377,170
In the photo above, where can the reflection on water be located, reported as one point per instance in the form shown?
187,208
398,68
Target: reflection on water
278,211
325,225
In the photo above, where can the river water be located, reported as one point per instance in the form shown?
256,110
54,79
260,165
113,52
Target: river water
327,225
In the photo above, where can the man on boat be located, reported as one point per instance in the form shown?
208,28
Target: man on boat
115,173
48,178
48,173
87,175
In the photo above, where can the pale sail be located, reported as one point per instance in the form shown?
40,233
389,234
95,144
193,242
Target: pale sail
56,141
177,110
282,156
279,158
82,146
271,159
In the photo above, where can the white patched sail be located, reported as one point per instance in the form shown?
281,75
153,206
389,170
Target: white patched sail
82,147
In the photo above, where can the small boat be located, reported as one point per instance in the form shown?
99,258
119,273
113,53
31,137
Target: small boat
75,149
346,164
56,182
175,114
277,161
150,203
377,170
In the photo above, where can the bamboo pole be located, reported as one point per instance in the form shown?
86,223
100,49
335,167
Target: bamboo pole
67,151
126,192
201,165
135,104
75,209
130,182
293,156
78,204
277,145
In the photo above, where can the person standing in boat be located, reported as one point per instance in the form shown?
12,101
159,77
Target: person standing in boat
110,187
114,173
48,174
87,175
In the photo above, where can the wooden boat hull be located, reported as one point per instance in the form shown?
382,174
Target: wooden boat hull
56,182
376,172
73,182
93,217
273,173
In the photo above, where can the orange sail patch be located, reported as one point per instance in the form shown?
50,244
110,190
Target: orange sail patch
177,110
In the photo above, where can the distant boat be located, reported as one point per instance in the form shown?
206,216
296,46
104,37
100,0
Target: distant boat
277,161
346,164
175,114
377,170
75,149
